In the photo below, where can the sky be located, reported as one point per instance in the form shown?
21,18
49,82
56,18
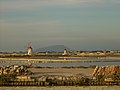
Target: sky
77,24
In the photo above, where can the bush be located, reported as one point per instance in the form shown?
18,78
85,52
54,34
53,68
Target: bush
6,78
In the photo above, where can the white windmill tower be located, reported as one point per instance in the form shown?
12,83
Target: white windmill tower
65,52
29,49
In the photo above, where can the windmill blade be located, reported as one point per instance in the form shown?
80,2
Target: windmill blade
29,44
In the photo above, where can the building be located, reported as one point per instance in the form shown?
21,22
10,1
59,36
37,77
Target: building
65,52
29,51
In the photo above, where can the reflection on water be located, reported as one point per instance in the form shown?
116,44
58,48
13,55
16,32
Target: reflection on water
12,62
68,64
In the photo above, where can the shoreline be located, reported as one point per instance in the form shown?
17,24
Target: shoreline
59,60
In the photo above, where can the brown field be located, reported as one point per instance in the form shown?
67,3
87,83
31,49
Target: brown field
61,71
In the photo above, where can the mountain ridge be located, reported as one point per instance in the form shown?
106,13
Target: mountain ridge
53,48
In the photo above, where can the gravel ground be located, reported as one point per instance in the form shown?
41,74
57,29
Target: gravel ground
61,71
64,88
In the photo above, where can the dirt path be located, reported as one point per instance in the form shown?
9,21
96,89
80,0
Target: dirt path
64,88
61,71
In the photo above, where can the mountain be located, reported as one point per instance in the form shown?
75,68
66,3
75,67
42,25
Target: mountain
53,48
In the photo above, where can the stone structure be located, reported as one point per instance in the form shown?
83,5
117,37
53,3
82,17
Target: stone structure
14,69
107,72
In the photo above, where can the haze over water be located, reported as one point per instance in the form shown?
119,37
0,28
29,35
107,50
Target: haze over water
78,24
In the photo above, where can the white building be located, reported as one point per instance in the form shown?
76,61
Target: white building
29,51
65,52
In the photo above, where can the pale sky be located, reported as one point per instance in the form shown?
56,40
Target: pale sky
77,24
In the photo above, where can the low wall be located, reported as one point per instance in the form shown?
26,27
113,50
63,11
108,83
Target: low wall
58,83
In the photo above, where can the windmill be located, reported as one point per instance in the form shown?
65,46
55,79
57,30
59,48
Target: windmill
29,49
65,52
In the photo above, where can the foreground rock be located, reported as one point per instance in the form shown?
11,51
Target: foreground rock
107,73
15,70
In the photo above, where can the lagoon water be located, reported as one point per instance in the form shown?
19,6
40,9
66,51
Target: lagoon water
67,64
75,64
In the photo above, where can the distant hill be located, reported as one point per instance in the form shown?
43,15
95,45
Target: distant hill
53,48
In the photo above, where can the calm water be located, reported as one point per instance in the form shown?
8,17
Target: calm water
75,64
68,64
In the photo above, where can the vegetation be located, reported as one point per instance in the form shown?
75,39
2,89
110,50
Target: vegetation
116,76
6,78
99,77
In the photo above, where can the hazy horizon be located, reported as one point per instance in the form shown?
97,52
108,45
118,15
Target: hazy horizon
77,24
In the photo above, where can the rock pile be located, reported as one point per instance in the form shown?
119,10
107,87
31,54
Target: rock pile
105,72
14,69
62,79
